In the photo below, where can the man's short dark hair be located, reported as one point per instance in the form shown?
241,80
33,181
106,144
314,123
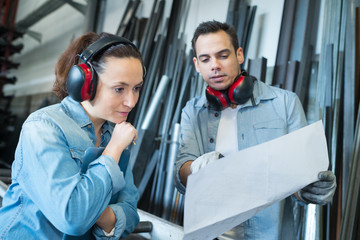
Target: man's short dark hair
213,27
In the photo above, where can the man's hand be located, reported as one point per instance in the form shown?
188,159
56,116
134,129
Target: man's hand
203,160
320,192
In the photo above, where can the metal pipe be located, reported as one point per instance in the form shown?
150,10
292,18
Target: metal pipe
169,182
3,188
153,107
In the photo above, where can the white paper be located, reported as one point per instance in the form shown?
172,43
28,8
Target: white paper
231,190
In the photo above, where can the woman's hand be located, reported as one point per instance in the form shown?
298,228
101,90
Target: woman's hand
124,133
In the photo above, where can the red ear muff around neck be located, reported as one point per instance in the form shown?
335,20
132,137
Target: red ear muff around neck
241,90
218,99
80,84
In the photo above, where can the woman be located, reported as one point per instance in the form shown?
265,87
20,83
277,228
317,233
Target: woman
55,193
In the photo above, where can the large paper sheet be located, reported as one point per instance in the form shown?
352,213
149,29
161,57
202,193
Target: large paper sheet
231,190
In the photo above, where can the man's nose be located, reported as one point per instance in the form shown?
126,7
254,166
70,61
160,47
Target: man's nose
215,64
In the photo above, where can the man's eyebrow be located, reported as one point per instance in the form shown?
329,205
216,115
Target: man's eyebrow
217,53
203,55
223,51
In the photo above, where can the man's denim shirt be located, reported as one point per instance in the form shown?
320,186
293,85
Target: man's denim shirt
272,113
49,198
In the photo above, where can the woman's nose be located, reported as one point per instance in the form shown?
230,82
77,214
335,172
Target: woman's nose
130,100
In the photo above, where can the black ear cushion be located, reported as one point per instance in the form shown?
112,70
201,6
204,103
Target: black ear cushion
217,99
79,83
241,90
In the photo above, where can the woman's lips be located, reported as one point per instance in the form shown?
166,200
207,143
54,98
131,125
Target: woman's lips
124,114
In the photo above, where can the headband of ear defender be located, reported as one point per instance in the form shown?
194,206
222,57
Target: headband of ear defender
239,92
82,78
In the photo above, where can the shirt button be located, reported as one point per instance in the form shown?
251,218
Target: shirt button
216,114
211,140
89,126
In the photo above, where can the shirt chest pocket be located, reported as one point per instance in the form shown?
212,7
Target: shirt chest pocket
266,131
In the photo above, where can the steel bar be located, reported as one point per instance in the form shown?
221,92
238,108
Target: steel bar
257,68
240,18
150,166
169,182
184,93
292,70
152,25
129,14
282,55
149,82
328,119
248,30
230,13
3,188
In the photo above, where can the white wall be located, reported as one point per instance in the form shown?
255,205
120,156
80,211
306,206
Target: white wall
36,72
37,60
266,30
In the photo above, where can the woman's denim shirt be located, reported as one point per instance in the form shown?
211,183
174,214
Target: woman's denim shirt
49,197
272,113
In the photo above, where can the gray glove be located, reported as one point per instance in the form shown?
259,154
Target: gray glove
320,192
204,160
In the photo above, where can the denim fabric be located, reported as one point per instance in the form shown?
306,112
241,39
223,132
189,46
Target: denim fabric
273,113
49,197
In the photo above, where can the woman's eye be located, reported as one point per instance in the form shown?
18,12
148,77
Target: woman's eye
118,90
137,89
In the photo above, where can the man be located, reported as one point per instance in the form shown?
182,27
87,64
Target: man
219,123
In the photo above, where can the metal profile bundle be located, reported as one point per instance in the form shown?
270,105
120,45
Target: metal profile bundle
351,216
296,43
146,134
165,126
241,15
158,110
125,23
351,87
146,47
282,54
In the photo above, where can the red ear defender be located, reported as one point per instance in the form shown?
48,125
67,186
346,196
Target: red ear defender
82,79
81,84
217,99
241,90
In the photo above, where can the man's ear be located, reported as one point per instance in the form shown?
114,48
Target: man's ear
196,63
240,55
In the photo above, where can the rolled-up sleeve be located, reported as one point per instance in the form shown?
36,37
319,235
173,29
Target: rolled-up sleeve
117,177
124,206
189,147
